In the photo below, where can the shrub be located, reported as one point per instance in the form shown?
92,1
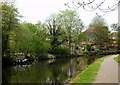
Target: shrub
102,52
88,47
59,50
86,52
117,59
32,57
77,47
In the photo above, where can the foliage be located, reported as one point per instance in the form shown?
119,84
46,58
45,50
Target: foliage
29,39
101,52
106,52
99,33
54,29
9,23
64,28
88,47
117,58
72,25
32,57
114,27
82,37
59,50
85,51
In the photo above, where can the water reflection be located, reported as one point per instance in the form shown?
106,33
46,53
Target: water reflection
21,67
51,71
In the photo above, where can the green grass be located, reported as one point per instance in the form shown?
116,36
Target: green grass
117,59
89,74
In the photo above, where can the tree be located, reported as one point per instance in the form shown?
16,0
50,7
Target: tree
54,29
72,24
114,27
56,33
20,39
9,23
29,39
119,38
99,32
38,43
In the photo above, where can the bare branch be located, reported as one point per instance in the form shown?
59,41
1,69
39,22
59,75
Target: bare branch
87,6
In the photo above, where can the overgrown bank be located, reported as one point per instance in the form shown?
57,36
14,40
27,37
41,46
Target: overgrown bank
57,55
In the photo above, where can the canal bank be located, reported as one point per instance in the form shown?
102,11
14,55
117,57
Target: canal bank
46,71
89,74
108,72
52,70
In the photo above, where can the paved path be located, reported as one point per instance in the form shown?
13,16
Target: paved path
108,72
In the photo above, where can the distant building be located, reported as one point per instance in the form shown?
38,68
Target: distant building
114,41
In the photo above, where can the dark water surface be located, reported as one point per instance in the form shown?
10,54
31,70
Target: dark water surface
47,71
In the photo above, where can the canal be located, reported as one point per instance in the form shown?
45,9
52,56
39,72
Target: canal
46,71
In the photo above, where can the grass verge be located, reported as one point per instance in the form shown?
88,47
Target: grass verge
117,59
89,74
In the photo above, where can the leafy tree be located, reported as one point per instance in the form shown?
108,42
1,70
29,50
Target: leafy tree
88,47
72,24
116,34
38,43
29,38
9,23
99,32
54,30
20,39
114,27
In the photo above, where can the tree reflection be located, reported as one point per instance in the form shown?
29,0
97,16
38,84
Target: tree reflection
51,71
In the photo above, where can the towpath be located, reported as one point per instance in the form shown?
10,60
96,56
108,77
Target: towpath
108,72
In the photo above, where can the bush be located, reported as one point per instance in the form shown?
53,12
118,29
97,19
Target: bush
88,47
117,59
32,57
59,50
86,52
45,56
77,47
102,52
107,52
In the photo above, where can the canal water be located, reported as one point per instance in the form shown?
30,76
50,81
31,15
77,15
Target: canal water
46,71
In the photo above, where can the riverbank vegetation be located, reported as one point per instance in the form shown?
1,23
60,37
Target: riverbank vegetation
62,34
89,74
117,59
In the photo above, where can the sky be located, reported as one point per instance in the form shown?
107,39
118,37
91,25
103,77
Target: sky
38,10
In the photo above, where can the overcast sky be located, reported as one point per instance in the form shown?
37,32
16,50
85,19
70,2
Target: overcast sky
39,10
